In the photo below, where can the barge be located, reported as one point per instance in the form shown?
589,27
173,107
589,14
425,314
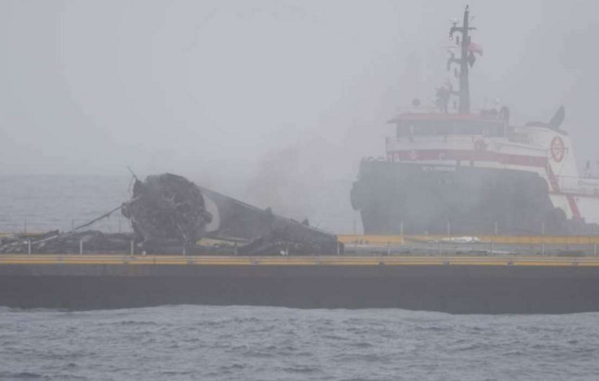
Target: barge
481,285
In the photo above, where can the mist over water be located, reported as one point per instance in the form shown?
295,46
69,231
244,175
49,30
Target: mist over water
40,203
224,93
43,203
273,103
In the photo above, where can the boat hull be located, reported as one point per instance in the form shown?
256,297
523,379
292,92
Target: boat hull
397,197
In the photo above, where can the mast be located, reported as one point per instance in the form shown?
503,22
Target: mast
465,61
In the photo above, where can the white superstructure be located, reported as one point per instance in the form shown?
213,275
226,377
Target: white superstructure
487,140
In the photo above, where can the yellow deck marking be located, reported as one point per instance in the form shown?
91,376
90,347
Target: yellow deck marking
23,259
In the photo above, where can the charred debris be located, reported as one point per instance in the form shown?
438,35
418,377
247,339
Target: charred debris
171,215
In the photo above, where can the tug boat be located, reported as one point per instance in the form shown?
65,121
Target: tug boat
472,172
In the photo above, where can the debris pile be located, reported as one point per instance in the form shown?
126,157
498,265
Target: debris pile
90,241
168,215
266,232
166,209
285,241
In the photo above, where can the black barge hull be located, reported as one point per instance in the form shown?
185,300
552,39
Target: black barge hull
480,286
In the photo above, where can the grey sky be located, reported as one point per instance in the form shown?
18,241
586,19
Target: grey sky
220,91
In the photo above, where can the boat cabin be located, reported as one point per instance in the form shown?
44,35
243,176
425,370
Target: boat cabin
438,124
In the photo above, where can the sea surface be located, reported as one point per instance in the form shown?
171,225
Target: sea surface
262,343
40,203
44,203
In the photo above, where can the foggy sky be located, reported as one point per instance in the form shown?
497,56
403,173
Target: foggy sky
294,93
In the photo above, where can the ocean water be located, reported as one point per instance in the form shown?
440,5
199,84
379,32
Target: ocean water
43,203
263,343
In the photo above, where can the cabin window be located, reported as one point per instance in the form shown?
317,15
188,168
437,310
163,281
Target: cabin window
411,128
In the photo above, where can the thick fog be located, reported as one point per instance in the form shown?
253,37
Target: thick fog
274,102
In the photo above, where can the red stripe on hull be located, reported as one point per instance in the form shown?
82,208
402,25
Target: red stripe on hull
468,155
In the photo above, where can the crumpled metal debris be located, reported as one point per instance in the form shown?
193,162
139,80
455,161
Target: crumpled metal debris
168,215
286,241
267,232
89,241
167,208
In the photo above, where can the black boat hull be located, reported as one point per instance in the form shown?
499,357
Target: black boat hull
434,199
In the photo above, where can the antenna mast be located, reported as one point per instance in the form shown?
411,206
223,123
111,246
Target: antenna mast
465,61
